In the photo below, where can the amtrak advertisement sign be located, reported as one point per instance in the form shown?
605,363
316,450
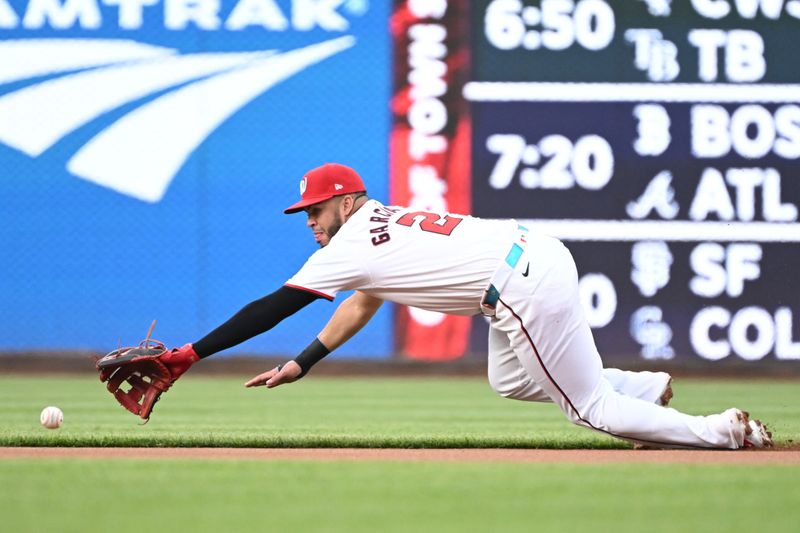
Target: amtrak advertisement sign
148,147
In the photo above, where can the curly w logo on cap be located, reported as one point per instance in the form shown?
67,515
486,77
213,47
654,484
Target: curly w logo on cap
325,182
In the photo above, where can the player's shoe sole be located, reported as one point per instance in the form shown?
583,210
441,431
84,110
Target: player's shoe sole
666,396
663,401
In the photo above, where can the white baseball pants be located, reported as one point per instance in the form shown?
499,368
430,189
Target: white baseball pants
541,349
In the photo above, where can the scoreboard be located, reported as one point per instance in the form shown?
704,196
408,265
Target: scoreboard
660,140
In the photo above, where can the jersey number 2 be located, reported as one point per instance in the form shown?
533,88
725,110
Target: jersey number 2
431,222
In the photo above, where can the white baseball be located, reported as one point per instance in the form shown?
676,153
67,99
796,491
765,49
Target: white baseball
51,417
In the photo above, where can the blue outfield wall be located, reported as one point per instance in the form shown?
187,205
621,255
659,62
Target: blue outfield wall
92,251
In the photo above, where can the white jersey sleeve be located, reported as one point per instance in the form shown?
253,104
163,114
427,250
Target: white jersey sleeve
329,271
436,261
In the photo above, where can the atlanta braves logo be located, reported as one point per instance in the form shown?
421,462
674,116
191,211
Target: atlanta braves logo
130,155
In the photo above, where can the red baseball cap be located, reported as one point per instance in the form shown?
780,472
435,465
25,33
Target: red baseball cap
325,182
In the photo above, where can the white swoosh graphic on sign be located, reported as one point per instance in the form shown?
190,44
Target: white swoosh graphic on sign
140,153
34,118
26,58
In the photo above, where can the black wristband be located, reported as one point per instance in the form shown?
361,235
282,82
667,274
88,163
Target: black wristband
312,355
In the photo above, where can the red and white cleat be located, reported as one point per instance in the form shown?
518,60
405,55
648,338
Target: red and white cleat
666,396
756,434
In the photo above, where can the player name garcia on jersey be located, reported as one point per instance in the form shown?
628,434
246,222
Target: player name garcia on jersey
428,221
435,261
382,232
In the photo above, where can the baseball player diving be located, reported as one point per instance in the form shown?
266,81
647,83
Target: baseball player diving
540,345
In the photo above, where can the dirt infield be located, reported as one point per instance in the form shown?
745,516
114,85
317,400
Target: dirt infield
747,457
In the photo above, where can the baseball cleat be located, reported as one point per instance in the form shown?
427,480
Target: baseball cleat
756,434
666,396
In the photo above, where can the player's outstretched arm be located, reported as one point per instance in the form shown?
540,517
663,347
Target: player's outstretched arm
254,319
138,376
351,315
348,319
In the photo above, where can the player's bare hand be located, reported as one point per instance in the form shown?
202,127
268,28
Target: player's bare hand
286,373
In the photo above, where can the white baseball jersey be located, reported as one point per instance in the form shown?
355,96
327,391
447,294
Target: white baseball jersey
435,261
540,346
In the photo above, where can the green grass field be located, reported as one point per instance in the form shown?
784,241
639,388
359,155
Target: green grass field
365,412
294,495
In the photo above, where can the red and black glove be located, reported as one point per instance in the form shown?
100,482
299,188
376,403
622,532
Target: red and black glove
138,376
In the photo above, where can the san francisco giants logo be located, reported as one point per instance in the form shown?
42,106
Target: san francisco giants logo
430,222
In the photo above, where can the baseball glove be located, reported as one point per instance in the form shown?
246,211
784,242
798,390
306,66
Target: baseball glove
138,376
